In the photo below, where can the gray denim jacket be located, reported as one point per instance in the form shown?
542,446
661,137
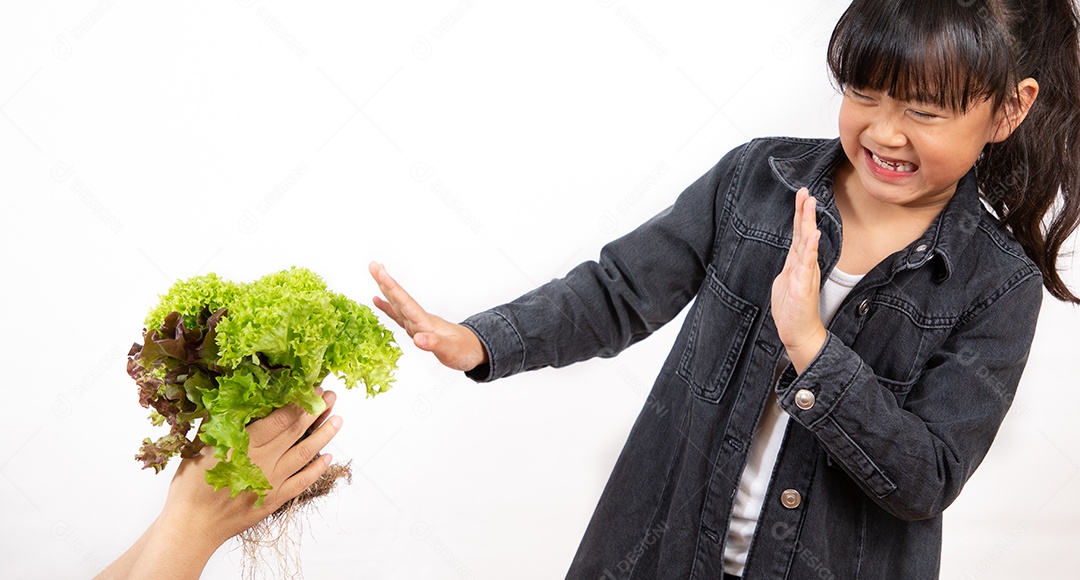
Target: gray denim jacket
919,368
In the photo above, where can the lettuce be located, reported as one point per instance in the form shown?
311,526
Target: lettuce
228,353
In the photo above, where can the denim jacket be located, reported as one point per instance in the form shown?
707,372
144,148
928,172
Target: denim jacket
887,422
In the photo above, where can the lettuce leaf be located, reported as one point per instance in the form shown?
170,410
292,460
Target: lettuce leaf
228,353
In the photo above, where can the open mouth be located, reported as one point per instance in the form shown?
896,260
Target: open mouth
891,166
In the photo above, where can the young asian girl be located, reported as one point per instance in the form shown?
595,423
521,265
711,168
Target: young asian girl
863,307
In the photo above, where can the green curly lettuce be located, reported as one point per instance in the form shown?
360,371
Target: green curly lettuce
228,353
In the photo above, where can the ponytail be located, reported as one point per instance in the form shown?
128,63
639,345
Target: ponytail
952,53
1032,178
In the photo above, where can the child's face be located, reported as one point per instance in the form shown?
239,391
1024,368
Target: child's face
911,154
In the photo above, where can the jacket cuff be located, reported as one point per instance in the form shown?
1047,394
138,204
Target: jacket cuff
502,342
810,397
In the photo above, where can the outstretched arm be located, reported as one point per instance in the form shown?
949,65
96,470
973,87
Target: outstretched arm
200,519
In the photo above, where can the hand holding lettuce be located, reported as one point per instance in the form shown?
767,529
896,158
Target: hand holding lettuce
229,353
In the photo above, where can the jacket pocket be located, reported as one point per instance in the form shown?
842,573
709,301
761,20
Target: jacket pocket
719,326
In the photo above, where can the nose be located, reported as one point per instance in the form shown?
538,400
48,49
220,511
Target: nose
884,130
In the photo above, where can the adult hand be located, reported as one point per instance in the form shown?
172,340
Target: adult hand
795,292
276,448
196,520
454,345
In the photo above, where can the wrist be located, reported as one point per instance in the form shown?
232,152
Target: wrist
201,534
475,352
804,353
164,537
480,353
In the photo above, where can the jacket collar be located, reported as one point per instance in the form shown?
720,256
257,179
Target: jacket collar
812,169
947,236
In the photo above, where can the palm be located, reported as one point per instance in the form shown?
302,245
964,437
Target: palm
454,345
795,290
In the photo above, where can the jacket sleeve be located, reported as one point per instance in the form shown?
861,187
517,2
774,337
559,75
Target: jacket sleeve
913,459
640,282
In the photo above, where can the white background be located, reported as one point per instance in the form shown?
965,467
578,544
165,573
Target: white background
476,148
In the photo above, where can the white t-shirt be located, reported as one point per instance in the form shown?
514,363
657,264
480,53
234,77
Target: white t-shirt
766,442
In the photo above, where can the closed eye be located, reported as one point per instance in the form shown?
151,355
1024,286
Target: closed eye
922,114
859,96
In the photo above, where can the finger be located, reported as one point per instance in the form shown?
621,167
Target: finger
795,220
382,279
811,233
375,268
800,197
282,427
389,286
330,397
812,258
301,453
303,479
808,266
792,258
810,245
809,218
388,309
400,300
262,431
795,251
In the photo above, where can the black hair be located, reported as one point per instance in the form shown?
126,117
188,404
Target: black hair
956,53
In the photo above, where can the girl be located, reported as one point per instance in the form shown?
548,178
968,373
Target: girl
863,307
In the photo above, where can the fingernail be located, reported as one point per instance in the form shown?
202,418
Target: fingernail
326,458
335,421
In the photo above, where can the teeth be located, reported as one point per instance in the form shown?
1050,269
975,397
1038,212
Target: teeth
898,167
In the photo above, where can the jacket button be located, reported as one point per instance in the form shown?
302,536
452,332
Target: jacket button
804,399
791,499
863,308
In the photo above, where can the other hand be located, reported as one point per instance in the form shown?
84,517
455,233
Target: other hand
795,292
276,447
454,345
200,519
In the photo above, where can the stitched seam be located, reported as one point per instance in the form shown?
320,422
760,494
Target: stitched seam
521,343
775,163
877,470
745,231
840,397
994,237
727,201
862,537
1011,284
923,322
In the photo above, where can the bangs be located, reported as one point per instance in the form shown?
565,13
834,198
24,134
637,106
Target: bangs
935,52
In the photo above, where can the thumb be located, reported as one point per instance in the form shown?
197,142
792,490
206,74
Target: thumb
428,341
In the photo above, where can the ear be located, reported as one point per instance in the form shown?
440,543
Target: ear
1015,110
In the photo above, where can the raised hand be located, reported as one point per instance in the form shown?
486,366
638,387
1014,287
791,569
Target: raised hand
454,345
795,292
